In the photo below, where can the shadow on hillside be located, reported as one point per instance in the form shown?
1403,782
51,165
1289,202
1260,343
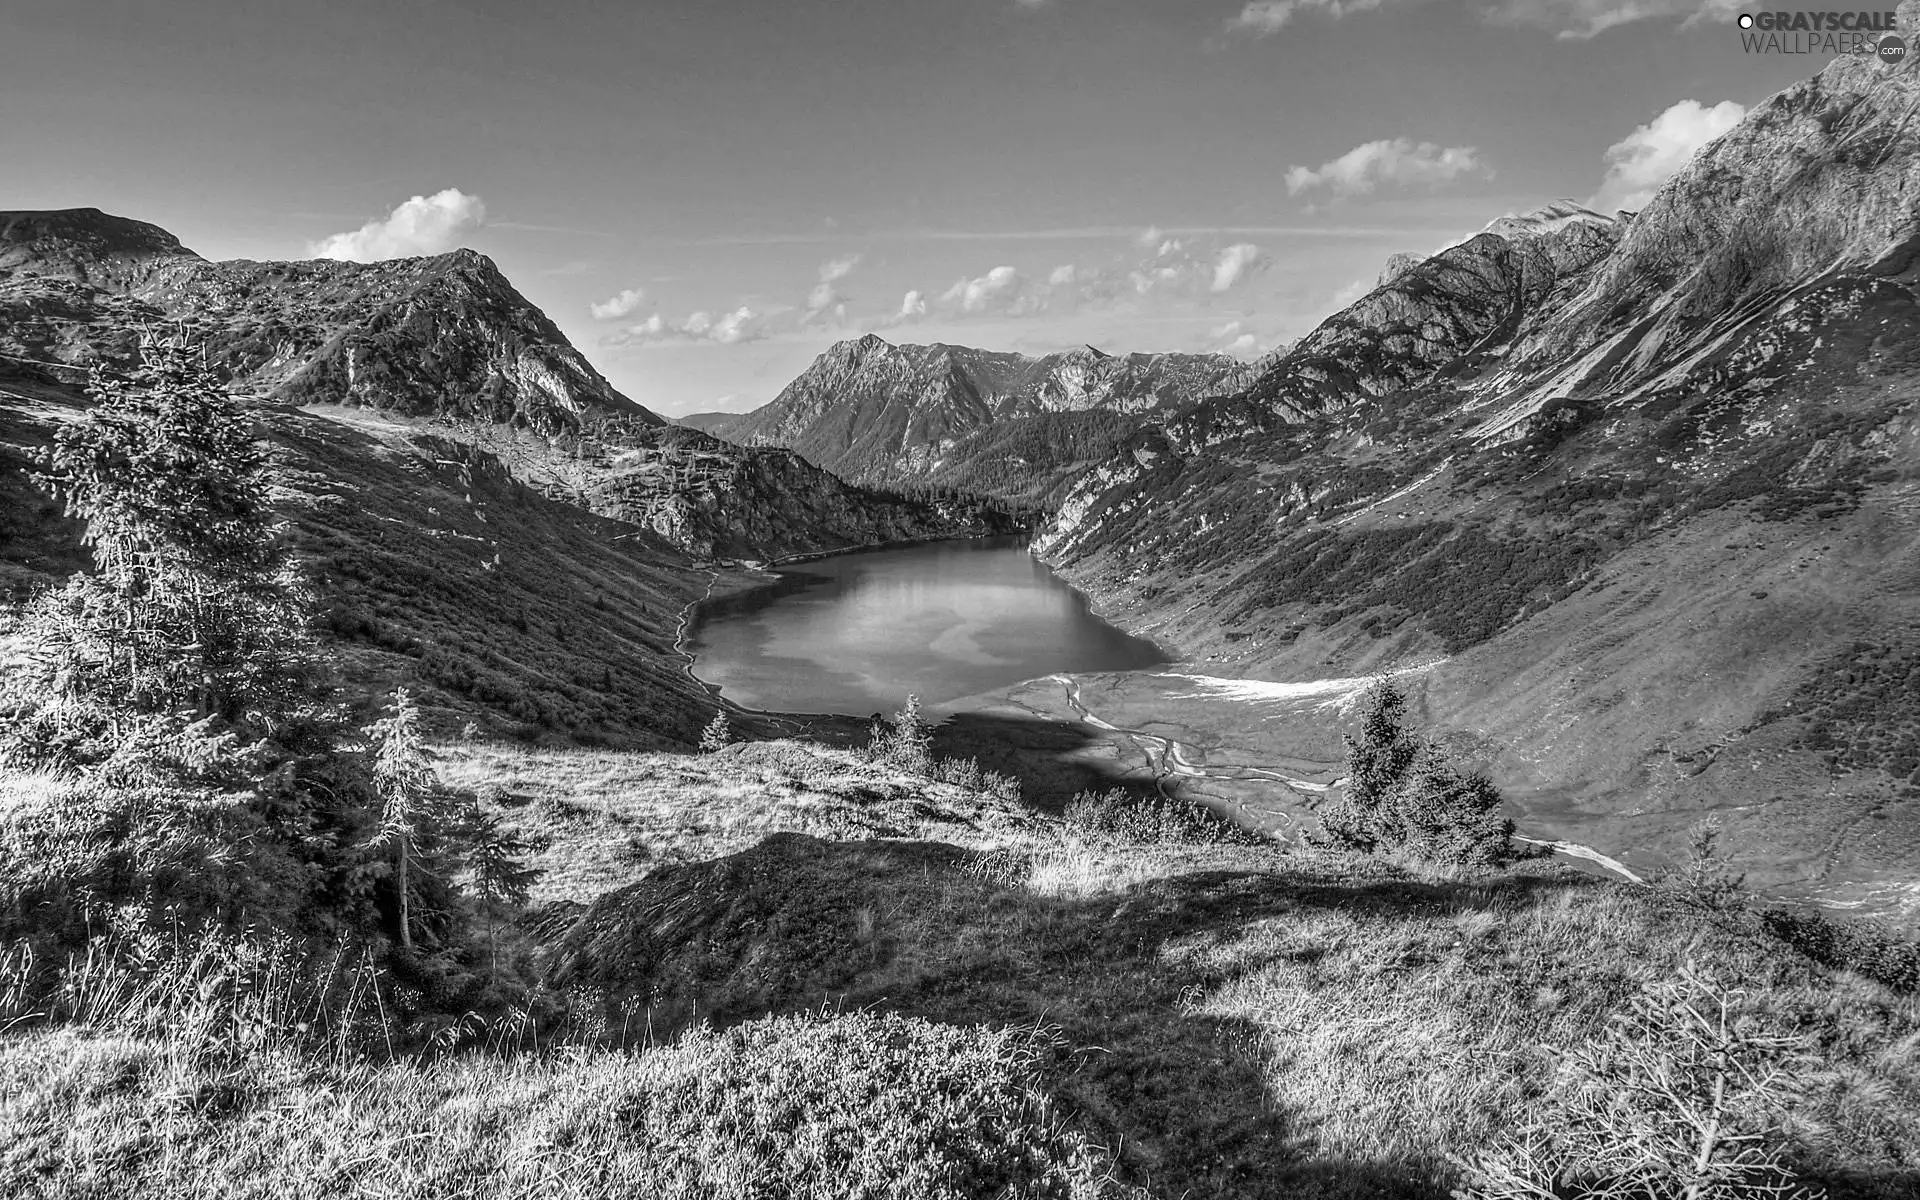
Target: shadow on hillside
1043,755
933,931
1863,1185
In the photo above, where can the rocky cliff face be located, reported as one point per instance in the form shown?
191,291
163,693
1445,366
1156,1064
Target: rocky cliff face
1642,485
446,335
870,410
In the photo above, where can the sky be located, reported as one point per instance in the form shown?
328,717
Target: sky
705,194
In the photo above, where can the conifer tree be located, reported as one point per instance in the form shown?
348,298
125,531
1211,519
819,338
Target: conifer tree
411,802
1407,794
193,605
1377,763
717,734
909,744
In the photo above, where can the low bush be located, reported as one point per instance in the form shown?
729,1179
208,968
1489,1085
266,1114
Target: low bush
1857,946
1150,818
804,1108
1681,1095
906,744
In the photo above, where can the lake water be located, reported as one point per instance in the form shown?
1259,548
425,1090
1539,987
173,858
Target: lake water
855,633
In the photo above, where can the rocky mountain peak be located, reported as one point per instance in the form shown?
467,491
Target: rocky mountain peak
1547,219
86,246
441,335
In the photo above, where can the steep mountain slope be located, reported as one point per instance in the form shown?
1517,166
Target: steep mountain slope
1646,483
876,412
417,335
480,511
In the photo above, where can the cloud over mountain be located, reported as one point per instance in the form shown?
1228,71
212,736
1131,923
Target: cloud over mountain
422,225
1264,18
1572,20
742,324
998,289
1646,158
824,295
1234,263
1568,20
625,304
1389,161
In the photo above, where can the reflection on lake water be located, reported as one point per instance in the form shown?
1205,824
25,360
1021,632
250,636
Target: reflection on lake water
855,633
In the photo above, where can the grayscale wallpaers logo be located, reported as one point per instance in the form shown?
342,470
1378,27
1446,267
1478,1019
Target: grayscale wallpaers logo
1834,33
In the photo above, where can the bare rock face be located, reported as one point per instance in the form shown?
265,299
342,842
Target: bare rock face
445,335
869,409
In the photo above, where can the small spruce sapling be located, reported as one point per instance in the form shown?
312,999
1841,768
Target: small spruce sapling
410,799
718,733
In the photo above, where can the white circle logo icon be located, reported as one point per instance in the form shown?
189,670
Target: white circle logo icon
1746,21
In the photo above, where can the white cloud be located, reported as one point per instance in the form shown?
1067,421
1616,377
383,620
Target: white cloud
998,288
1264,18
622,305
1062,276
1236,339
1150,279
824,295
1234,263
1398,161
743,324
736,326
1565,19
1577,20
912,305
423,225
1646,158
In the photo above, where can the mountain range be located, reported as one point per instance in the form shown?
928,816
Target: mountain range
978,420
479,509
1633,499
1638,494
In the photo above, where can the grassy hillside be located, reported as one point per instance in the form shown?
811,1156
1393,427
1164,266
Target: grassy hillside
1220,1020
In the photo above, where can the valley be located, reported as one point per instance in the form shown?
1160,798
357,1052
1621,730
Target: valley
1469,750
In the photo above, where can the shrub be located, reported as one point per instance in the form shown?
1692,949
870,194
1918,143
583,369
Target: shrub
905,743
1858,946
875,1105
1150,819
1677,1098
213,994
1707,878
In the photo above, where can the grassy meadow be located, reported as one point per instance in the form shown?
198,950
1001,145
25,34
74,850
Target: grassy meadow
789,971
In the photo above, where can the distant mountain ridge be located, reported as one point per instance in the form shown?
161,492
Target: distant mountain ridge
871,410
